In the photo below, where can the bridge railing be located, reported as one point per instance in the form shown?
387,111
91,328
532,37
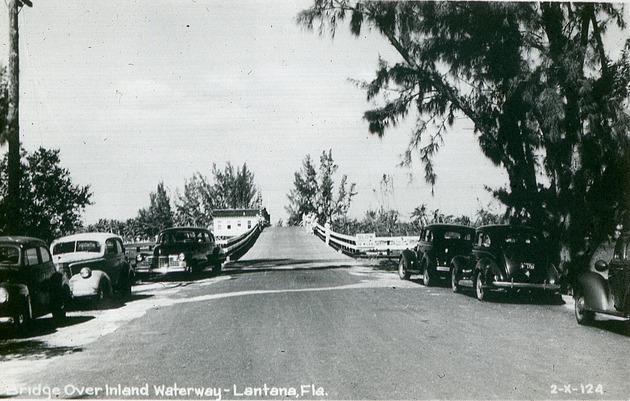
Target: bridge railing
235,247
361,245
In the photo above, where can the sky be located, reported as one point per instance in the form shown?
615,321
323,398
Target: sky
134,93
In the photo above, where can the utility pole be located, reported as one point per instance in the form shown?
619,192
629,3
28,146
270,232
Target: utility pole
13,119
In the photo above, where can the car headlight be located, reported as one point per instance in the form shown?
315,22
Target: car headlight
4,295
86,272
139,257
181,257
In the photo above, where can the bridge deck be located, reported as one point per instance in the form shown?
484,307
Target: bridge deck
283,247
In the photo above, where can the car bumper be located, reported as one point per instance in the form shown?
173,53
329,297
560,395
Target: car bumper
7,320
527,286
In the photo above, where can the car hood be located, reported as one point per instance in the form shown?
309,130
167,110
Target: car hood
75,257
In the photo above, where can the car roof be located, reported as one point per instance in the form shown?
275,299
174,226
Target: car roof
184,228
506,227
448,225
87,237
20,240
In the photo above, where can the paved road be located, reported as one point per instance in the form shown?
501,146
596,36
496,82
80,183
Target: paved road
294,318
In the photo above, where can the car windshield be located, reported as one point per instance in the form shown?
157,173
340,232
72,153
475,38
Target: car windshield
76,246
180,236
9,255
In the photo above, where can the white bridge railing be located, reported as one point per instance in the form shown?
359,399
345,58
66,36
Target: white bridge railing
362,245
234,246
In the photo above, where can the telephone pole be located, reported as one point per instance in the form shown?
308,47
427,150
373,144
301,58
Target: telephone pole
13,120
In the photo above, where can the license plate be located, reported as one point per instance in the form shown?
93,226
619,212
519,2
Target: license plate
527,266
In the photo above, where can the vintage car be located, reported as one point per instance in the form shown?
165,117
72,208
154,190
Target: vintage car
432,256
30,286
606,288
506,258
95,263
183,250
137,254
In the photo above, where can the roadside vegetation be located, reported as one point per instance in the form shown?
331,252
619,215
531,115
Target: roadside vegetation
548,99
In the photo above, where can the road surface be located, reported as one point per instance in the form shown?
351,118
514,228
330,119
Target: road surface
295,319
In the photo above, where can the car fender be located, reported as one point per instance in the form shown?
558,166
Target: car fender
488,268
596,291
411,257
96,279
459,263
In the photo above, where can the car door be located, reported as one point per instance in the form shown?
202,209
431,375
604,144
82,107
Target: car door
38,277
114,258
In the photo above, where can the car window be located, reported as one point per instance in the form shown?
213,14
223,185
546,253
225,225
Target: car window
119,247
45,254
524,239
63,247
9,255
110,246
30,257
88,246
452,235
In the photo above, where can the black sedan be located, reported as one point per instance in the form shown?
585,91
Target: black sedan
183,250
432,256
506,258
30,286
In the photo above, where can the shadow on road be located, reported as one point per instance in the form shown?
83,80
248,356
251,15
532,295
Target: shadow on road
258,265
41,327
32,349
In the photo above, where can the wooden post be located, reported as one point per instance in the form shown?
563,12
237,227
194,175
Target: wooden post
13,124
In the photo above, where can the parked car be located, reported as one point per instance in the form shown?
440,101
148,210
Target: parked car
137,254
184,249
30,286
606,289
95,263
506,258
432,256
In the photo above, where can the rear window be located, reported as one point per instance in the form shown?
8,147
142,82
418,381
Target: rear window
9,255
76,246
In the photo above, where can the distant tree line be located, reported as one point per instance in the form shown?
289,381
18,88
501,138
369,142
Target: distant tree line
230,188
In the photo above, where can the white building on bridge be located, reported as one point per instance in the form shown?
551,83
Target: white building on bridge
233,222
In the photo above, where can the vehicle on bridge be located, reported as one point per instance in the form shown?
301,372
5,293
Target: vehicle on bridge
184,250
432,256
96,264
605,290
30,286
506,258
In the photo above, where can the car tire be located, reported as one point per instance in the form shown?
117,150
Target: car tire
480,291
454,284
125,288
584,317
427,278
216,268
101,297
23,319
59,310
403,268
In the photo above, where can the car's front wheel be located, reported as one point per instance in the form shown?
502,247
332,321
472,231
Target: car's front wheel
480,290
582,315
23,318
454,283
403,268
427,277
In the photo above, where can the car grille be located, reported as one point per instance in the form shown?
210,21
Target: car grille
162,261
